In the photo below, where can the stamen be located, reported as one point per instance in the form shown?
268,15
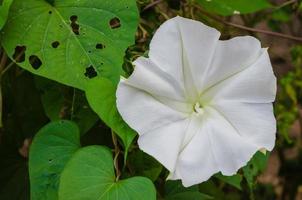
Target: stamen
198,109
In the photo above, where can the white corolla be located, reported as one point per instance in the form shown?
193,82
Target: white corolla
199,104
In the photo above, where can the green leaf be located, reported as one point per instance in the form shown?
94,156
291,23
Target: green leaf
52,147
189,196
255,166
61,102
52,97
4,8
144,165
71,41
90,175
174,190
102,99
291,92
281,15
230,7
234,180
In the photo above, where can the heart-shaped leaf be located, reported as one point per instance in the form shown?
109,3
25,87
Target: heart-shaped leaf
4,8
71,41
102,99
90,175
52,147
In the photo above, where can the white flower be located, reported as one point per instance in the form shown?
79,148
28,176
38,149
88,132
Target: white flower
200,105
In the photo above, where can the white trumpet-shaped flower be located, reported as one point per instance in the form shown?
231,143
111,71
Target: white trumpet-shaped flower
200,105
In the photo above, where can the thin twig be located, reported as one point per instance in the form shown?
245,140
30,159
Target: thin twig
117,152
286,4
73,104
12,63
3,61
7,68
281,35
2,66
154,3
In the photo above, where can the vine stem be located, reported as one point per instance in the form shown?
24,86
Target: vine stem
300,119
2,66
276,34
286,4
73,104
154,3
117,152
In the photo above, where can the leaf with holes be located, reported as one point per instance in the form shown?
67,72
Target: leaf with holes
101,97
91,172
71,41
4,8
52,147
230,7
256,165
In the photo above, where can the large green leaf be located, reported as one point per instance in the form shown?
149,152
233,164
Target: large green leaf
90,175
144,165
4,8
174,190
234,180
52,147
71,41
230,7
102,99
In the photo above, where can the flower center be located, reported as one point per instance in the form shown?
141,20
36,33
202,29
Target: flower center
198,109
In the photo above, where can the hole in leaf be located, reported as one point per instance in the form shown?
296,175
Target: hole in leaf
74,25
35,61
100,46
73,18
19,54
115,23
55,44
89,51
251,167
50,12
50,160
90,72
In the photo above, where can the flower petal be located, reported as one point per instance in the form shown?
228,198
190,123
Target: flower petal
164,143
216,147
142,111
231,150
196,162
157,83
230,57
254,84
184,48
150,78
255,122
